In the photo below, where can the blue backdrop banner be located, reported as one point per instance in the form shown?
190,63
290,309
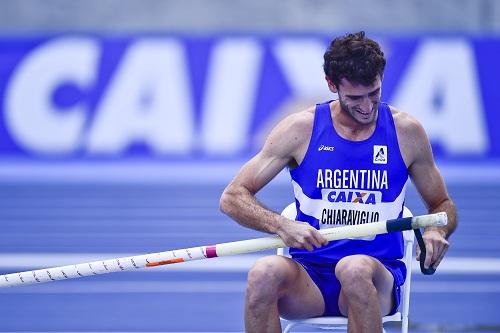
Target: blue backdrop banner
86,97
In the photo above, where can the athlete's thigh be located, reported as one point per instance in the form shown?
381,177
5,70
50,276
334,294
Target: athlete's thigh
301,298
381,277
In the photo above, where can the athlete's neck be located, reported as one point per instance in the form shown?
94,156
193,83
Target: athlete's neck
347,127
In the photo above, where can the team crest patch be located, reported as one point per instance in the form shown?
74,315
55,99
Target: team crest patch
379,154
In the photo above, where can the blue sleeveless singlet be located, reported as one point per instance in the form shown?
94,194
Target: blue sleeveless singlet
342,182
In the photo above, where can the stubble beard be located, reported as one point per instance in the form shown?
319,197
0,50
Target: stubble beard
352,113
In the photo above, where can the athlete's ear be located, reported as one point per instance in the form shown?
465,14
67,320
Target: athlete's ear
331,85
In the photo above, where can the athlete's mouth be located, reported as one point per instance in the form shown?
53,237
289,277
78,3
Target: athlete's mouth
364,113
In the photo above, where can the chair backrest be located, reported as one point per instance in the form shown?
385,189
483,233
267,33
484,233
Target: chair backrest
331,322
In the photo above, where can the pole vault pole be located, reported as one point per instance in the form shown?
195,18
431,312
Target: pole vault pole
211,251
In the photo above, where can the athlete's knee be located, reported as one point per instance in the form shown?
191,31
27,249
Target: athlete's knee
355,274
267,276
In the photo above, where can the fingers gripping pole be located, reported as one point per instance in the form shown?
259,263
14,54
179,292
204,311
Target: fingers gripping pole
211,251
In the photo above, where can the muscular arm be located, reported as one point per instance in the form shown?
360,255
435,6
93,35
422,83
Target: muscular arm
238,199
284,144
430,184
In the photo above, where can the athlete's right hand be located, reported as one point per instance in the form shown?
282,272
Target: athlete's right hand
300,235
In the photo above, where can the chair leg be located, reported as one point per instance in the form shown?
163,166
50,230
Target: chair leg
404,325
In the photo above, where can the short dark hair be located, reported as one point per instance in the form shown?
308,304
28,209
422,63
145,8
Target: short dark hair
354,57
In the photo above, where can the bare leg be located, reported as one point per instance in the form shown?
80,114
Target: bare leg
276,285
366,293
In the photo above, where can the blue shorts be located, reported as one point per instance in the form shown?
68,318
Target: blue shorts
324,277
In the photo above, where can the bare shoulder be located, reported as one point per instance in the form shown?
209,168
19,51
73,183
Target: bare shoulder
300,120
290,138
412,138
295,127
406,123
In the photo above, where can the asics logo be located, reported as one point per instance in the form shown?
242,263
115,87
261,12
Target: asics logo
327,148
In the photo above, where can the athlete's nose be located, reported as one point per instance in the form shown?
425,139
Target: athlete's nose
366,104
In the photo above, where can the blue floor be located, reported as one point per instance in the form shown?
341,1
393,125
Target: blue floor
65,219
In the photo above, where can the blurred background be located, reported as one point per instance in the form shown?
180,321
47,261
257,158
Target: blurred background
122,122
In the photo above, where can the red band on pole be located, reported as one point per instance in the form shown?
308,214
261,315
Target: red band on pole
165,262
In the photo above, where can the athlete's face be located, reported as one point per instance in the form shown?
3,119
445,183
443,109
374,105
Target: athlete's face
359,101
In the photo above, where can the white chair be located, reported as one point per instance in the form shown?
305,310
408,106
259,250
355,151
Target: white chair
340,323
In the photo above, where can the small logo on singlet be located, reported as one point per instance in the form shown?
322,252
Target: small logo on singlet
379,154
326,148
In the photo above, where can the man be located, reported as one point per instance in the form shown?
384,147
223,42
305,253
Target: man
349,160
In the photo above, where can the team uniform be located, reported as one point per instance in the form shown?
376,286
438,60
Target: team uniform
342,182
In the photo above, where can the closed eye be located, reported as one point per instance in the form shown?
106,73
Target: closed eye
374,93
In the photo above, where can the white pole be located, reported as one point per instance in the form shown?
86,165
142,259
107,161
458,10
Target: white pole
210,251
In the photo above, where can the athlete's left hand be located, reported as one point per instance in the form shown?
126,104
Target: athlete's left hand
436,246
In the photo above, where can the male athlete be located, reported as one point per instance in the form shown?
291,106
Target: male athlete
350,161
